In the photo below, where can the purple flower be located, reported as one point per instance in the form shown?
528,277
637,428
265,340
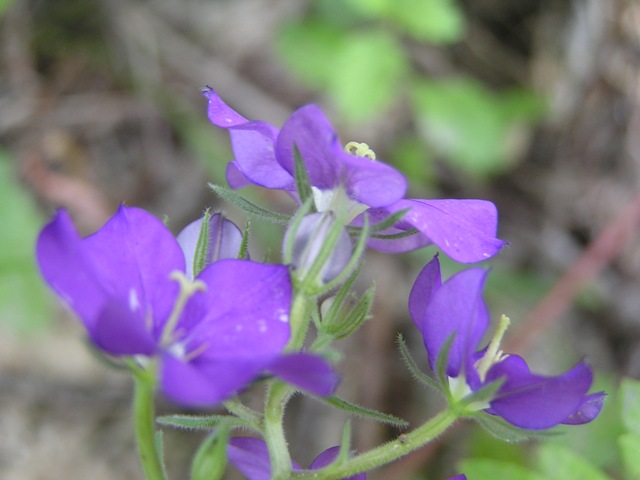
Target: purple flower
525,399
212,336
251,456
463,229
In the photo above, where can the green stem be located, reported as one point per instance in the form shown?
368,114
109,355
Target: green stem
144,418
276,401
299,321
384,454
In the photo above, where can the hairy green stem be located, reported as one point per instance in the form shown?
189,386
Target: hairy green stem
144,419
277,398
386,453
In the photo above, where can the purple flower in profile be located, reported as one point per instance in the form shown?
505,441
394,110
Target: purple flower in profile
211,335
251,456
463,229
527,400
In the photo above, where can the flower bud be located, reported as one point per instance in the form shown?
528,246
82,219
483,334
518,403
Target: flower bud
319,239
208,239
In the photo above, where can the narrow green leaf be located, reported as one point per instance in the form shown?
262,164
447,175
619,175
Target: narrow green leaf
484,394
414,369
193,422
363,412
388,222
239,201
356,316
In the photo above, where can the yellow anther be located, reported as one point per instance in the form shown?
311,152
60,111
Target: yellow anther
360,150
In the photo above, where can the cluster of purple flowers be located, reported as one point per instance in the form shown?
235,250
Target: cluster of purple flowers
212,322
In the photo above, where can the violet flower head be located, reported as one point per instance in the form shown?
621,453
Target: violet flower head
527,400
211,335
251,456
350,176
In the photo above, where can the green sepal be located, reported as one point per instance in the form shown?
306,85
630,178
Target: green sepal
441,365
388,222
358,251
303,185
202,246
362,412
345,322
395,236
499,428
242,203
415,372
295,221
483,395
206,422
210,461
243,253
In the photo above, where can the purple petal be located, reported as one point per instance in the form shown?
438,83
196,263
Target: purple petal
121,331
456,308
235,178
463,229
369,182
243,313
66,268
538,402
308,372
207,381
251,456
225,240
220,114
327,457
133,255
458,477
253,149
427,282
128,261
588,410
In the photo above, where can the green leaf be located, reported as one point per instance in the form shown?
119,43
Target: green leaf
367,74
629,444
469,125
485,469
308,47
560,463
630,404
435,21
207,422
239,201
359,411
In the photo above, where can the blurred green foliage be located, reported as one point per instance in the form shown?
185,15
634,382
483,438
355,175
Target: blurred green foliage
5,4
24,302
357,53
